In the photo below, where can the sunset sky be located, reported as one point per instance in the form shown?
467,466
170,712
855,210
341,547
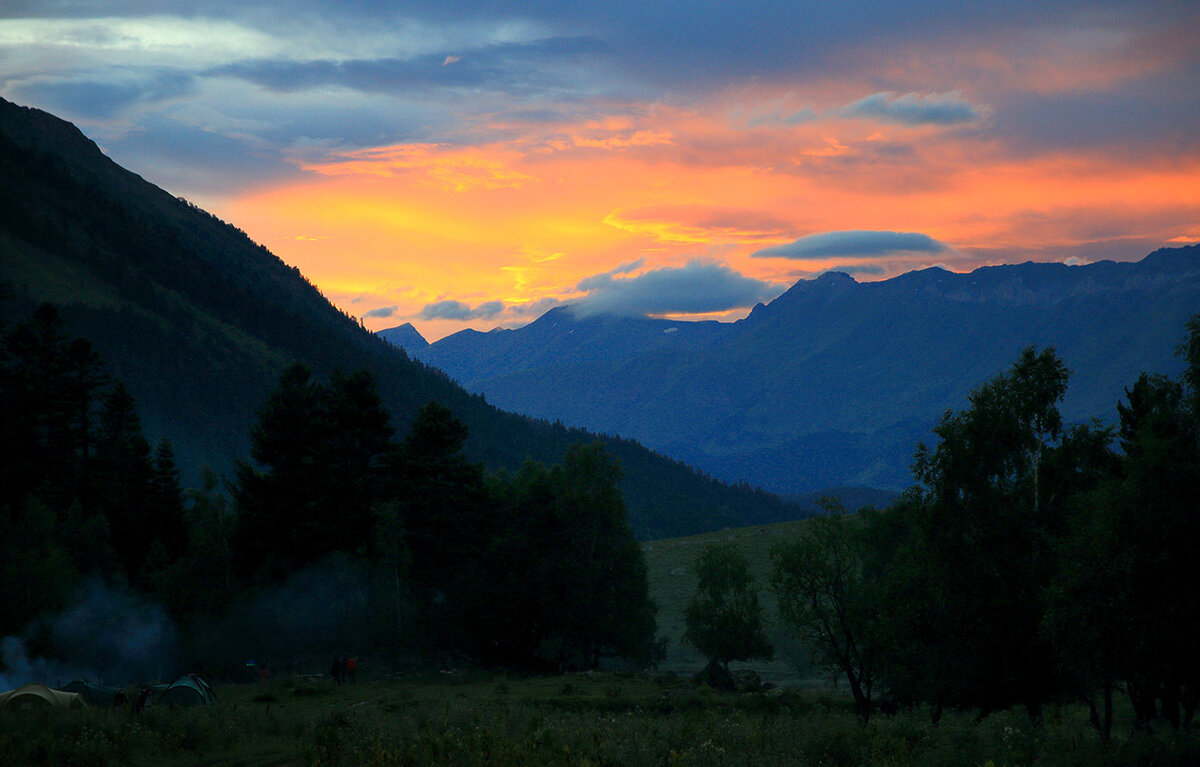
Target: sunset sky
472,164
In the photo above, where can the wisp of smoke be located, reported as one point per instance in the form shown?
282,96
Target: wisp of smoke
107,634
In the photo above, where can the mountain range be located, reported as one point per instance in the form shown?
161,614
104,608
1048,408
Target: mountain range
199,322
835,381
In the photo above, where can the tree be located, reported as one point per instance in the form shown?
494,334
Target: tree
203,582
166,501
990,514
1085,620
50,384
724,619
609,609
442,500
321,452
1156,522
434,525
121,474
567,579
1087,617
393,618
826,597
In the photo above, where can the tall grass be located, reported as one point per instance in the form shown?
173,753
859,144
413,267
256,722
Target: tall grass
576,721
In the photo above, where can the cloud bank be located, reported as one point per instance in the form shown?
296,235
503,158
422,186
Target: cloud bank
699,287
914,108
457,310
856,243
381,312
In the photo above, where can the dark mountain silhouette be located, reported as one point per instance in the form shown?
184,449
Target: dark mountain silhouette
406,337
199,322
835,381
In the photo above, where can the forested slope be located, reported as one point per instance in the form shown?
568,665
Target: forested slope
199,322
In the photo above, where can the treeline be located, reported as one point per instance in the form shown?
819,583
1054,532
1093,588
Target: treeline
81,490
1034,561
536,567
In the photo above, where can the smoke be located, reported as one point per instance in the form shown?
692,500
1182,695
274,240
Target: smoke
107,635
321,610
18,669
113,636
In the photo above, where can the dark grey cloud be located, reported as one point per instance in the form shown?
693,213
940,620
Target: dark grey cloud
497,65
859,269
101,95
698,287
503,67
914,108
863,244
689,46
185,158
383,311
457,310
1149,116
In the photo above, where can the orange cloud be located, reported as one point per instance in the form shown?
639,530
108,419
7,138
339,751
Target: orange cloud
700,224
523,221
636,139
447,168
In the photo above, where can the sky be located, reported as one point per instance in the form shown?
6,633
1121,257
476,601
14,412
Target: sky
464,164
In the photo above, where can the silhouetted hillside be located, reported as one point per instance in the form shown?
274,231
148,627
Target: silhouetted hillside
199,321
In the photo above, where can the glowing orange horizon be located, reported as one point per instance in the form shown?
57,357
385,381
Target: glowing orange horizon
526,219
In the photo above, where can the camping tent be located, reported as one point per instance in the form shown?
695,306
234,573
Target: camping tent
39,696
187,690
96,694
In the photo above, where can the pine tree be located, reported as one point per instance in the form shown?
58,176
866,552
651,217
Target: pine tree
321,454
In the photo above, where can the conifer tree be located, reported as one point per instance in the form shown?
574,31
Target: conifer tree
321,452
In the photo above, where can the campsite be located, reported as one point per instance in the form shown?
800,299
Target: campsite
465,717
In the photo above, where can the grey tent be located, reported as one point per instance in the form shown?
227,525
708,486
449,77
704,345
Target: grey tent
33,696
187,690
96,694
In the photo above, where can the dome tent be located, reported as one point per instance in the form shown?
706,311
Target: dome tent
39,696
95,694
187,690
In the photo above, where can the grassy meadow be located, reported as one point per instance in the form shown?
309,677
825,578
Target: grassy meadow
472,718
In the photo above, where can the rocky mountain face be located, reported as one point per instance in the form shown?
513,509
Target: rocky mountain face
835,381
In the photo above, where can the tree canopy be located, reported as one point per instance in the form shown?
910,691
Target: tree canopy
1031,562
725,619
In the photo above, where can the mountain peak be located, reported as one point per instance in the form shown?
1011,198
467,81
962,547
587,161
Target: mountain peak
1185,255
835,277
405,336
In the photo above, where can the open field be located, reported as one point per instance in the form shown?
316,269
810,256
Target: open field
672,579
467,718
